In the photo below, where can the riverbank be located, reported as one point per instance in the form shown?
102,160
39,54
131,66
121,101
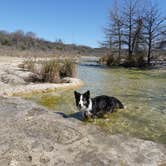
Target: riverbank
33,135
13,79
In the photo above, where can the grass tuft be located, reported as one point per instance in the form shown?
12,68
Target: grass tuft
52,71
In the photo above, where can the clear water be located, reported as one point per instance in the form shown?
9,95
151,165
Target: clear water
142,91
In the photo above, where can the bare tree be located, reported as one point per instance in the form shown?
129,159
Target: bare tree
17,36
125,28
31,35
153,27
136,25
114,30
131,29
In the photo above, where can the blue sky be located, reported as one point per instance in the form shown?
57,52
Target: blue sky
74,21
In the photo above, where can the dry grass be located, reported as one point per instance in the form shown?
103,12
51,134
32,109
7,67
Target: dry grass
52,71
13,52
109,60
67,69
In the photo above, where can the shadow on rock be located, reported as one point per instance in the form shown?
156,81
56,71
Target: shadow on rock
76,115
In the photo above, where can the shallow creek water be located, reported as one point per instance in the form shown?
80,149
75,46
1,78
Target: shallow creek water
142,91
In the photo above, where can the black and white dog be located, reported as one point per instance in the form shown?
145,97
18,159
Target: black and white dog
96,107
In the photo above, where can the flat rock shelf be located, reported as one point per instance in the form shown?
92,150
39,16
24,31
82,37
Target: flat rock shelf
32,135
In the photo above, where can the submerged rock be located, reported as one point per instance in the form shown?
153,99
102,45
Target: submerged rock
32,135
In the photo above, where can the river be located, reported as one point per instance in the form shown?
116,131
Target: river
143,92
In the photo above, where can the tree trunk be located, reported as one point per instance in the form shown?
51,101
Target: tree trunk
119,49
149,48
149,53
130,36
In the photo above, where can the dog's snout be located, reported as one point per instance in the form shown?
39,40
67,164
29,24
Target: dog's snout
79,105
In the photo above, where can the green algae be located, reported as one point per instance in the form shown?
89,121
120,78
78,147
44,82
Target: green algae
49,101
58,100
136,124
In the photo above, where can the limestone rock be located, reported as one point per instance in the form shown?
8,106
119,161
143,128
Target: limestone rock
12,79
32,135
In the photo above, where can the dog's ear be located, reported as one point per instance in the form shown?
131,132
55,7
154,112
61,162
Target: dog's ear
87,93
76,94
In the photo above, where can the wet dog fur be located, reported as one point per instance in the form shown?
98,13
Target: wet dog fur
97,106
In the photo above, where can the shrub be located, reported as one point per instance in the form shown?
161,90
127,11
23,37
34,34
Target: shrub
50,71
137,60
109,60
67,69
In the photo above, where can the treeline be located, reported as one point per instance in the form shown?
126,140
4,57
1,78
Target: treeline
136,26
21,40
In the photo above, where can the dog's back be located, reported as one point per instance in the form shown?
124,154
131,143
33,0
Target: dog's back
104,104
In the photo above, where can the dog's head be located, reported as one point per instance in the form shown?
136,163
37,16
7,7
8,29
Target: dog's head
82,100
